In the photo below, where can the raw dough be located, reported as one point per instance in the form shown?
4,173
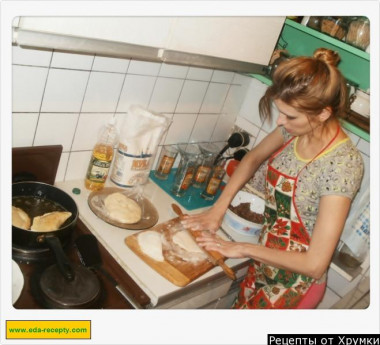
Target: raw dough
187,242
122,209
50,221
20,218
150,244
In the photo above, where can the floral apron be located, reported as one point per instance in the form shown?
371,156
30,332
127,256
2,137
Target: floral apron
265,286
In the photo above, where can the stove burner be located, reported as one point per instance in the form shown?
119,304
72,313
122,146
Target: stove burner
51,290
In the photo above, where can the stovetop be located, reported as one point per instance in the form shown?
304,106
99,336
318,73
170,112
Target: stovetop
110,298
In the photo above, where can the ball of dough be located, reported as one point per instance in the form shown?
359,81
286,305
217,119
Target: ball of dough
122,209
20,218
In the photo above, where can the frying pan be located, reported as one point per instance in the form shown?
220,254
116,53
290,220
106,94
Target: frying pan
47,239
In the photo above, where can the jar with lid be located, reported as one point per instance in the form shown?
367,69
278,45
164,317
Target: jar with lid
358,33
334,26
205,161
186,168
314,22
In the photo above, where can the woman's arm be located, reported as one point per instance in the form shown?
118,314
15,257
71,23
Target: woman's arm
333,211
212,218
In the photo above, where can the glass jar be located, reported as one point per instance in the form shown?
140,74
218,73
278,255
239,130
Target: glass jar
186,168
214,181
314,22
206,159
334,26
358,33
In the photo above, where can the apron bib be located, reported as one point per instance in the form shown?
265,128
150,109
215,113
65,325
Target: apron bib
265,286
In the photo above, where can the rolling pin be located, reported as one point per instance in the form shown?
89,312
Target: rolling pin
214,257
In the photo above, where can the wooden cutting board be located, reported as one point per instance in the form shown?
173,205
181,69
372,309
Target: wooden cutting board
177,271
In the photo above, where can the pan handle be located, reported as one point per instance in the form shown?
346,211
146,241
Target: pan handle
63,262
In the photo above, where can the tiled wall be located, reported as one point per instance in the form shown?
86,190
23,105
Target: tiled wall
61,98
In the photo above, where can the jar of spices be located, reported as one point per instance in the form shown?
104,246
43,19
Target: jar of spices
314,22
186,168
334,26
205,163
358,33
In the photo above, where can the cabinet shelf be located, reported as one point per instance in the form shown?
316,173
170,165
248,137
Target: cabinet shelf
326,38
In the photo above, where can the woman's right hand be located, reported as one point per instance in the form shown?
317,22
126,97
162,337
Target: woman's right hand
210,219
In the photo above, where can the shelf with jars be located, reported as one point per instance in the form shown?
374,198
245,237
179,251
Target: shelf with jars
301,40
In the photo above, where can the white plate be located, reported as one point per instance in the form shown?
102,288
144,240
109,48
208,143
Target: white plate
17,281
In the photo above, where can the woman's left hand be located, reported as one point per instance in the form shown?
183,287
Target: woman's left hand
228,249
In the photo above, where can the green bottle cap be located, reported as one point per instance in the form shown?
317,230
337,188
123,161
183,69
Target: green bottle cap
76,191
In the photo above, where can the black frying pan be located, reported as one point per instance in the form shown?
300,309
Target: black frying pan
51,239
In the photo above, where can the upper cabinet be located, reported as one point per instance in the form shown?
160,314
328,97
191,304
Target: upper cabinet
242,44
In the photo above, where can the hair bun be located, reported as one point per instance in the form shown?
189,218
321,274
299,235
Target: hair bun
328,56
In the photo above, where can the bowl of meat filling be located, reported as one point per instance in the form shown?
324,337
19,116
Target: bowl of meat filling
245,214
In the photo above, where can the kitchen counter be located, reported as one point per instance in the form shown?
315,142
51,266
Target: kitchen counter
162,293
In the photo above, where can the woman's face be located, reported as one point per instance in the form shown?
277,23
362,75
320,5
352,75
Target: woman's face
294,122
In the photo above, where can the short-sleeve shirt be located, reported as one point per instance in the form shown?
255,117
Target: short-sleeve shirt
337,171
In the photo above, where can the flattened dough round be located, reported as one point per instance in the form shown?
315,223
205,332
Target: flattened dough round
20,218
122,209
150,244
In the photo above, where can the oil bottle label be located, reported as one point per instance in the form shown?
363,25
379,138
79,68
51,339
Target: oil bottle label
98,170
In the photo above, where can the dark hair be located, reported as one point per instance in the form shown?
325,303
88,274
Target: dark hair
309,84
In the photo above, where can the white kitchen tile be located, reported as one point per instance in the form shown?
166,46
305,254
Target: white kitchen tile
165,95
173,71
137,89
61,171
203,128
56,129
196,73
77,165
250,106
103,92
108,64
214,99
223,127
30,57
234,99
329,299
72,61
192,95
64,91
222,76
241,79
247,126
144,67
364,146
27,88
180,128
23,129
88,128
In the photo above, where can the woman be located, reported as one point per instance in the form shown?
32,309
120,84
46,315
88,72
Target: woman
313,173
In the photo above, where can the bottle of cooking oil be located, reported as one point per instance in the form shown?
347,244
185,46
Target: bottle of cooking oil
101,158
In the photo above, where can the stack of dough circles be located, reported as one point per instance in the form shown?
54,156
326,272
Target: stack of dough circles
122,209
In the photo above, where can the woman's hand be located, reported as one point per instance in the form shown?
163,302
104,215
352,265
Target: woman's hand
207,220
228,249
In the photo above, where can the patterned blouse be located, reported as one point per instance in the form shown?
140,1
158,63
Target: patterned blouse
338,171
